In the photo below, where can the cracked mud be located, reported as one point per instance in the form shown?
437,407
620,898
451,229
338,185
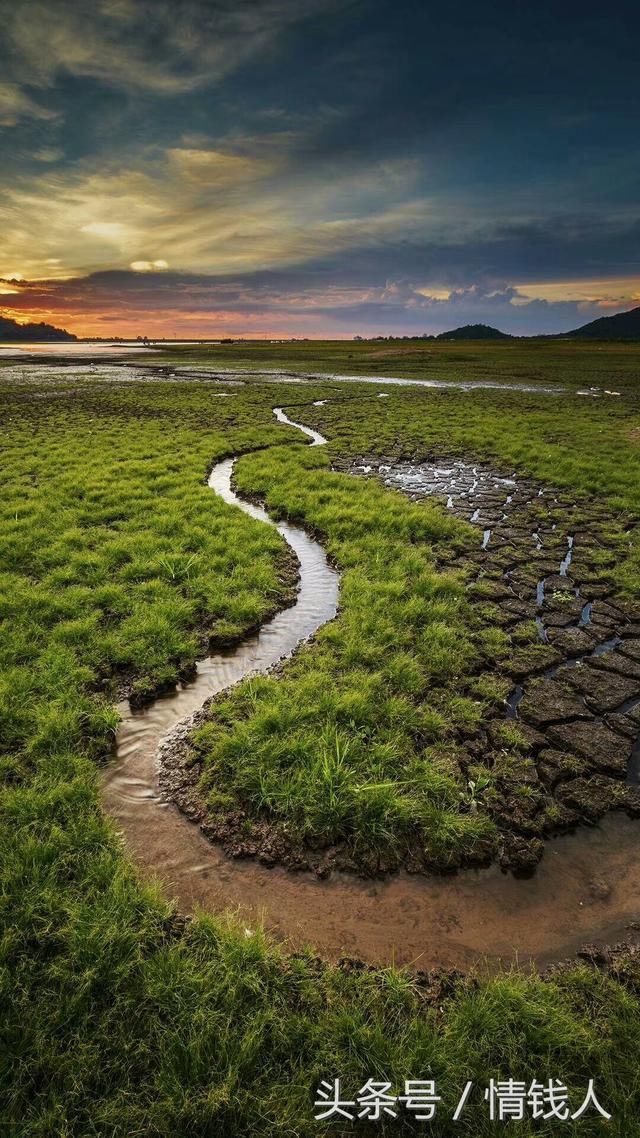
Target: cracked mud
542,564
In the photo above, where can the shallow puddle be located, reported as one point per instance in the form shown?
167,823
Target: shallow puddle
471,489
236,376
72,350
587,888
277,375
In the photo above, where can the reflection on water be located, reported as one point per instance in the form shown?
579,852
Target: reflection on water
11,351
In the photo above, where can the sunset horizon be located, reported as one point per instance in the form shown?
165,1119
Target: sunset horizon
165,324
321,171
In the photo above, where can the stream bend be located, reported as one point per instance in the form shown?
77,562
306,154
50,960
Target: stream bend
587,888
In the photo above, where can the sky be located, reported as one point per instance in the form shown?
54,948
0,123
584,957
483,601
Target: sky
320,168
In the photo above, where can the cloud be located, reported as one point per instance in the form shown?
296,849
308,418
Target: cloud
401,308
111,231
16,105
215,168
360,245
288,302
205,209
331,164
149,266
156,46
48,154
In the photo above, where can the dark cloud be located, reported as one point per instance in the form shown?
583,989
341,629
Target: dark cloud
566,247
263,303
323,149
162,47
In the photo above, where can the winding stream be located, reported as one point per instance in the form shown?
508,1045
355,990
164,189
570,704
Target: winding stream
587,888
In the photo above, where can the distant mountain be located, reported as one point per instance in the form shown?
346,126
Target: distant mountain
474,332
31,333
622,326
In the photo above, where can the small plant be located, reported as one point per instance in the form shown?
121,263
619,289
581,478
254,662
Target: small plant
475,789
178,568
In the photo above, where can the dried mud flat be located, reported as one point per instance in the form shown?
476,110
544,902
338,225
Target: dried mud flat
542,560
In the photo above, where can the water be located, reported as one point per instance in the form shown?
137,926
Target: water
316,440
72,350
585,615
566,561
606,646
396,381
542,632
513,701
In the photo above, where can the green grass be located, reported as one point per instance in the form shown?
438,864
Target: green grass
393,683
117,565
585,447
544,361
350,742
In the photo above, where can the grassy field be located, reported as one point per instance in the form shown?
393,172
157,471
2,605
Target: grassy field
118,566
544,361
362,739
352,739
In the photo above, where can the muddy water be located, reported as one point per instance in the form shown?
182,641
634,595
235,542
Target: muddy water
587,887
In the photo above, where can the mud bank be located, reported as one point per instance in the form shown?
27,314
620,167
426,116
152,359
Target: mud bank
586,889
122,369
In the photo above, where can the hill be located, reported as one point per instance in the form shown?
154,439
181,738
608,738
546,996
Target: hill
622,326
31,333
475,332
